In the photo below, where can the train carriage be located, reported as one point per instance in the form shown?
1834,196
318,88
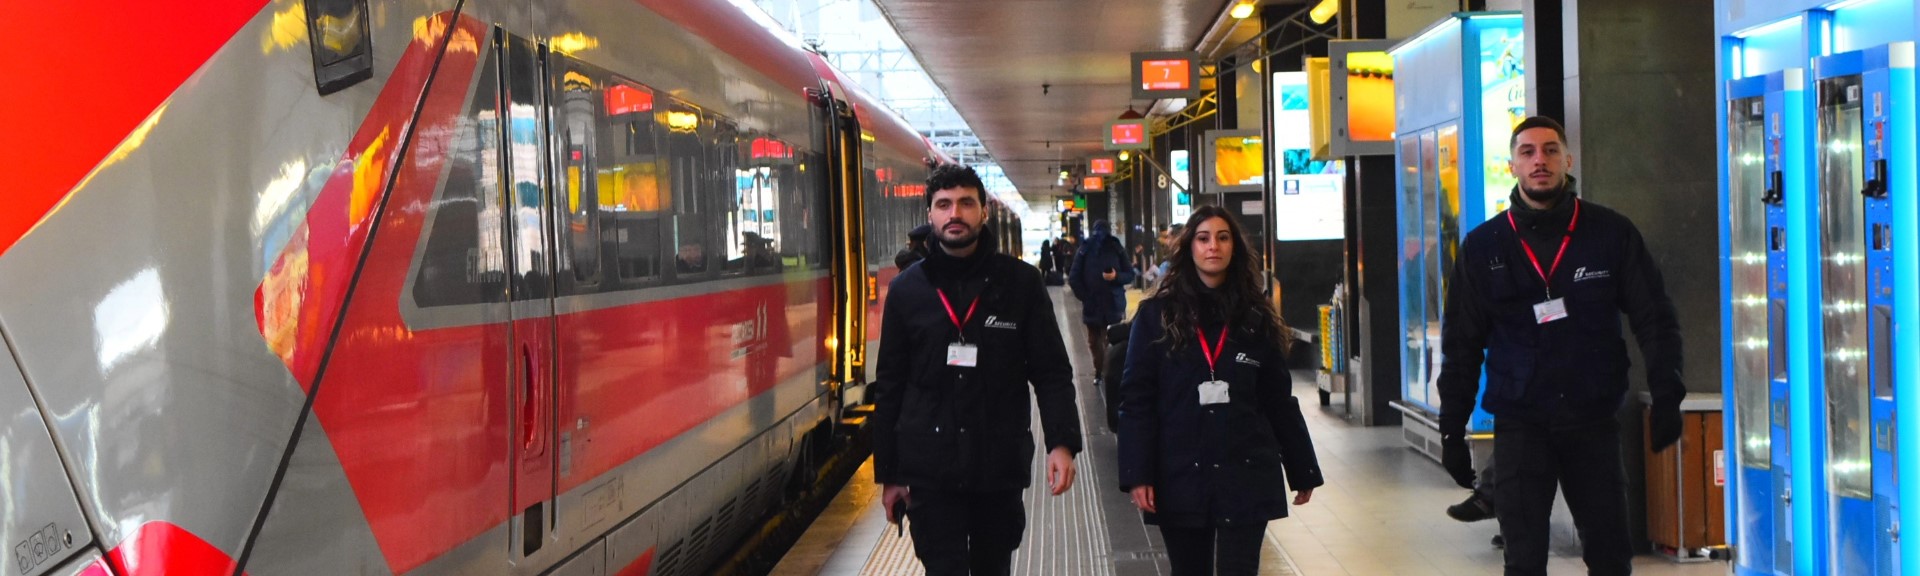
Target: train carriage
351,286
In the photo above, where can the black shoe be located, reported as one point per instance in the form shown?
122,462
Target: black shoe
1474,509
1499,542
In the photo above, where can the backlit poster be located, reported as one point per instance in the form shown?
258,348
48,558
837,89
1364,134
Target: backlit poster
1307,196
1503,101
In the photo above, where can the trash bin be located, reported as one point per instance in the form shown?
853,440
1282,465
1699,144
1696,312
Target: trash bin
1686,485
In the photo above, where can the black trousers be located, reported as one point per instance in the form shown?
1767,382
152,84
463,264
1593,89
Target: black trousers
1208,551
1584,463
1097,345
957,533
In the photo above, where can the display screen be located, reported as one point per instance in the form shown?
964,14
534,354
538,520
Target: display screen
1100,166
1175,74
1093,183
1370,97
1159,75
1237,161
1127,135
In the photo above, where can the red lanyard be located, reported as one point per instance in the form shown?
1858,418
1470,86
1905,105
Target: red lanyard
1546,276
1212,354
959,324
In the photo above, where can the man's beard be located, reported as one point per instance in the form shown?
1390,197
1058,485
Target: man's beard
972,235
1547,196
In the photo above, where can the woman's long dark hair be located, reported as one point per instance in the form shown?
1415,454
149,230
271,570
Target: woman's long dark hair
1182,293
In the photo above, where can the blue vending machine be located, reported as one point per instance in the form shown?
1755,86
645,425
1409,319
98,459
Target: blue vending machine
1460,87
1760,143
1858,161
1766,181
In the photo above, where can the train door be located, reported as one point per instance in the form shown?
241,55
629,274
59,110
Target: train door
534,450
846,341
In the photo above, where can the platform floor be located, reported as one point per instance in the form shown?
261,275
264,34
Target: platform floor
1382,511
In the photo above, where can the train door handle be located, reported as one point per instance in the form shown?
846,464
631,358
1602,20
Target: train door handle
532,432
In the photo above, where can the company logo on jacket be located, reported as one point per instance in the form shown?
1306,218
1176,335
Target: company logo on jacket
994,322
1581,273
1243,359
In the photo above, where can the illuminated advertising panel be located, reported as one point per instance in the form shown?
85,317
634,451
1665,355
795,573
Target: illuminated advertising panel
1159,75
1308,193
1126,135
1233,161
1361,92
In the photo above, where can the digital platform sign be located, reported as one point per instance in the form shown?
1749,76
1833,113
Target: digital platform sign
1126,135
1100,166
1159,75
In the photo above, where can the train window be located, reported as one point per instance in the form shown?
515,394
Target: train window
579,229
463,260
686,161
628,174
524,153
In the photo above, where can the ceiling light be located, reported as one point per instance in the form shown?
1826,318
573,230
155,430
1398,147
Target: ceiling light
1241,10
1324,11
1124,156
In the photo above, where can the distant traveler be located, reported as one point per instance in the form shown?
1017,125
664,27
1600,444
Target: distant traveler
1099,278
1046,256
1211,436
916,247
1537,294
967,331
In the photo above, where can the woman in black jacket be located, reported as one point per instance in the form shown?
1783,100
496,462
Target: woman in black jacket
1210,434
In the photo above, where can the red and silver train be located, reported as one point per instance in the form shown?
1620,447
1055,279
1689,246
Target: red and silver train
425,286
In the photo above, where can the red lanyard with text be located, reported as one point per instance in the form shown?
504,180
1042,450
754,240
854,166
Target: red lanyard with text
1546,276
959,324
1212,354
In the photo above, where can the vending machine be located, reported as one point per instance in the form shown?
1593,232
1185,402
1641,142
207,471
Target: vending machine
1460,87
1765,163
1857,159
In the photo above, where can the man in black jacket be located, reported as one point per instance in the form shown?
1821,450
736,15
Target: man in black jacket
966,331
1537,293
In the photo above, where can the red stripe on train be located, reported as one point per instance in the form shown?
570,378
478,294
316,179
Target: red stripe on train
639,567
82,75
163,549
298,302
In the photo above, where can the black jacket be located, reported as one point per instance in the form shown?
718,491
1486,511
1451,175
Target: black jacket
959,428
1571,371
1219,465
1102,302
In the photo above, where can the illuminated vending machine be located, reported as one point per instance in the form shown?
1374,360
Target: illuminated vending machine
1768,259
1861,165
1460,87
1765,163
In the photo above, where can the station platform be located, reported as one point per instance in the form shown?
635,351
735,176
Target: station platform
1382,511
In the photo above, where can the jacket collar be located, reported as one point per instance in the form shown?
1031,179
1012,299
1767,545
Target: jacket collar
1553,220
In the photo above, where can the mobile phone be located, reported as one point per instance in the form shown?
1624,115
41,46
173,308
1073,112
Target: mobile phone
899,515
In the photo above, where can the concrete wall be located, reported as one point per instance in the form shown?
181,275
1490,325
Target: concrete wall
1639,102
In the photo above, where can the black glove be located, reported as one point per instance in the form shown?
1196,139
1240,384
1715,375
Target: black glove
1664,426
1458,460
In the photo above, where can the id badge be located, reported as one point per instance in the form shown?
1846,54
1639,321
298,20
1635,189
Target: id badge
963,355
1213,392
1550,310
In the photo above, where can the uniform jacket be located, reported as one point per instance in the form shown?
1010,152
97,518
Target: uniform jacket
1217,465
956,428
1568,372
1102,302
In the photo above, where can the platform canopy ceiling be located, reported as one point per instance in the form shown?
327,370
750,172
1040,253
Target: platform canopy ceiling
993,56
